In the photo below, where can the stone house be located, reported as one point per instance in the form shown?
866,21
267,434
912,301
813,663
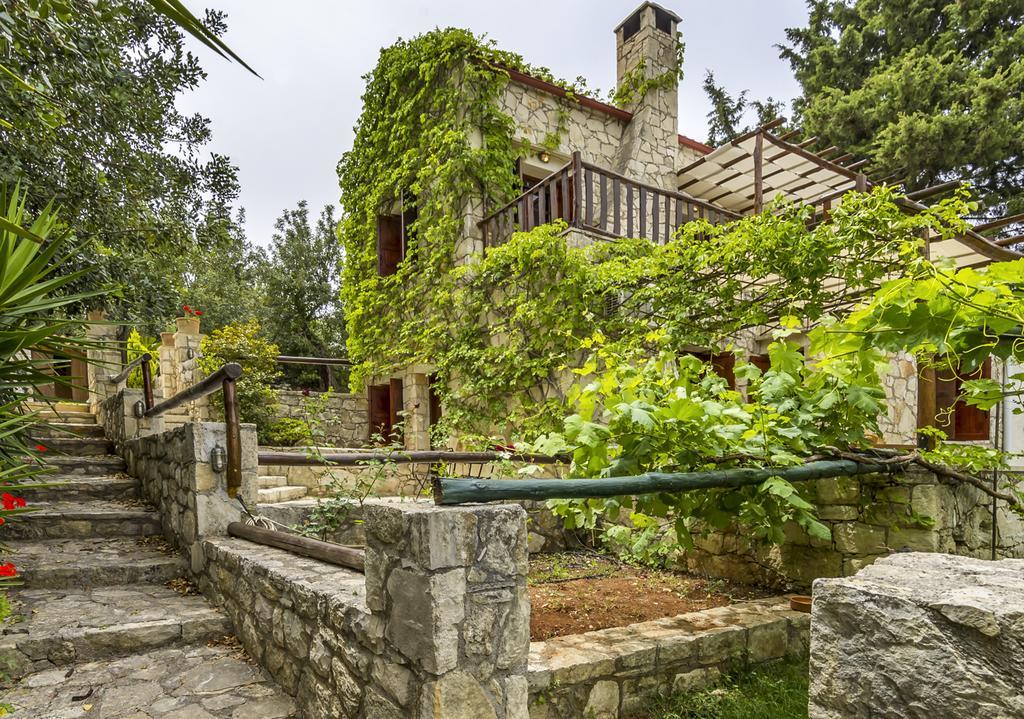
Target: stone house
627,172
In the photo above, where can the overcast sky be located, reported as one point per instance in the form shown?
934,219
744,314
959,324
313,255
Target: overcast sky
287,131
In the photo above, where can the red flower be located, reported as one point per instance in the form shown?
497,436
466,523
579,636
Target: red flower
2,520
198,313
8,570
40,447
187,309
11,502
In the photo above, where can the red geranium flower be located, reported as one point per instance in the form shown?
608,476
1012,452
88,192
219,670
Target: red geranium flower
11,502
8,570
187,308
2,520
198,313
40,447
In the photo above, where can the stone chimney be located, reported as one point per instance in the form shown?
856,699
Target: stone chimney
645,50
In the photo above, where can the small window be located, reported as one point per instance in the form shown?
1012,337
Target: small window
389,244
386,404
960,421
723,364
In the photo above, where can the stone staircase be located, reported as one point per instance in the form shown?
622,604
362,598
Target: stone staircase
106,625
274,488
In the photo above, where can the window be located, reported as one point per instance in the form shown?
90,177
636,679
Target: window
723,364
959,421
389,244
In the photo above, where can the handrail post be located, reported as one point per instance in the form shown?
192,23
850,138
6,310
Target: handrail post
234,437
577,187
147,382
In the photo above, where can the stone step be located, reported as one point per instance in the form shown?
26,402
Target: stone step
271,495
64,429
58,627
272,480
95,562
192,682
90,518
76,487
57,406
68,417
97,465
79,446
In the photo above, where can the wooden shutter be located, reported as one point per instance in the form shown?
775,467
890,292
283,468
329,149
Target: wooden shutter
762,362
389,244
725,366
971,423
945,399
395,407
380,410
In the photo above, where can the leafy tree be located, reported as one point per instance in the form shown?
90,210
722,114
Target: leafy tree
727,112
225,282
89,104
929,89
301,281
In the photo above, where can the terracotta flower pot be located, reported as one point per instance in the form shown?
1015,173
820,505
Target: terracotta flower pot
187,325
167,339
800,603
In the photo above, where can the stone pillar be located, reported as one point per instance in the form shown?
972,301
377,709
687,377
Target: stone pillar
416,404
104,358
919,636
645,49
179,370
449,586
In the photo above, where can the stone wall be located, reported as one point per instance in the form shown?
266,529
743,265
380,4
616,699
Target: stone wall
174,470
438,628
345,421
919,636
615,672
869,517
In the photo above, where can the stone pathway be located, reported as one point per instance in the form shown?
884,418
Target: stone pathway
102,630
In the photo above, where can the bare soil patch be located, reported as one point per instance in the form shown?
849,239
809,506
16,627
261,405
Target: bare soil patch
572,592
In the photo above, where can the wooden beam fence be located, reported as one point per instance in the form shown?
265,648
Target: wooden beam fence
602,202
450,491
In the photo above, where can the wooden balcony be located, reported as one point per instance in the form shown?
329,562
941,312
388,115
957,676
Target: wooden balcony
601,202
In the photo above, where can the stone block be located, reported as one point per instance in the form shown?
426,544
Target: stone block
919,636
858,538
768,641
425,612
837,490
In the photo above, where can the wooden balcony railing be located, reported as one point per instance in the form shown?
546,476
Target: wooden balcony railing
600,201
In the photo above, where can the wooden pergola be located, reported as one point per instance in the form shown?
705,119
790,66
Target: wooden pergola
759,166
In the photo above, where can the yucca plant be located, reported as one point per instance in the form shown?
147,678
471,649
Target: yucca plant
31,306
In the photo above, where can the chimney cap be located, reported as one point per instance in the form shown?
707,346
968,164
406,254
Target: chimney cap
657,9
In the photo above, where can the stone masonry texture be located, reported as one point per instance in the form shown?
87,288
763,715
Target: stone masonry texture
920,636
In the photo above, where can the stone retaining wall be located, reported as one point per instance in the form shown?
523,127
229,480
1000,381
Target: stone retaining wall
174,470
438,628
345,422
869,517
615,672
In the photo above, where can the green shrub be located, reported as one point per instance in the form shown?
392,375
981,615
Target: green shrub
243,342
288,432
137,346
774,691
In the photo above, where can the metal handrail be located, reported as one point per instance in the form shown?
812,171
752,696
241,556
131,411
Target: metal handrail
223,379
123,374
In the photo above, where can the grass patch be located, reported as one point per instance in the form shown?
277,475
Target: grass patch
777,691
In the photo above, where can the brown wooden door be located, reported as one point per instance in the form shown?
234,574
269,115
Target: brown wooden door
380,410
953,416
